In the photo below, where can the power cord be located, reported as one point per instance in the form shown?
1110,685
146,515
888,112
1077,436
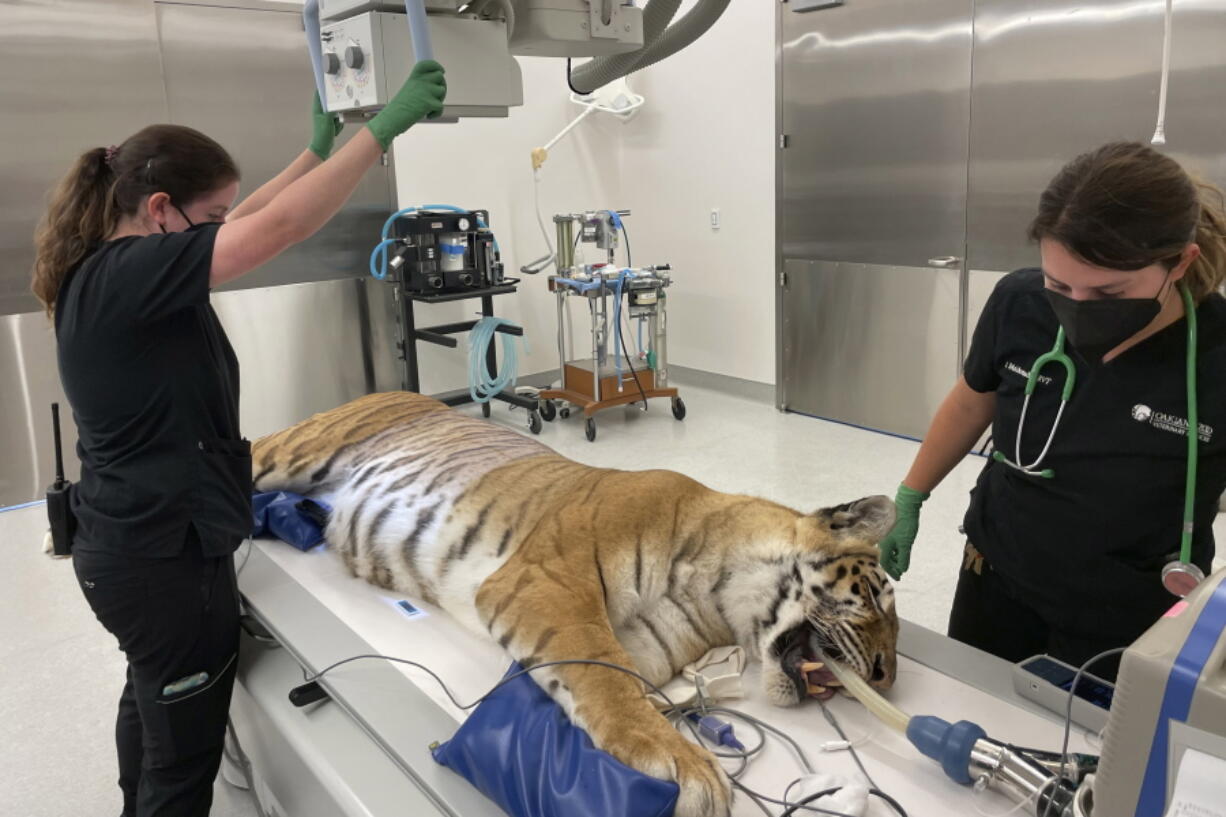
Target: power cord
873,792
673,710
634,373
1068,715
311,679
569,83
620,335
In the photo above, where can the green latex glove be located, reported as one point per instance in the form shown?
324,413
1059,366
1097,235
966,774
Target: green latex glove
421,97
326,128
896,546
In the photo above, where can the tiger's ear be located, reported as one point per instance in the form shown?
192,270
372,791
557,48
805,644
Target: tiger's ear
869,518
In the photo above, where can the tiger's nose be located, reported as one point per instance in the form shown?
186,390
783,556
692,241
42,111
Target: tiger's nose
878,676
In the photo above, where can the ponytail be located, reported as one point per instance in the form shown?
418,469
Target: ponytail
106,185
1207,274
79,216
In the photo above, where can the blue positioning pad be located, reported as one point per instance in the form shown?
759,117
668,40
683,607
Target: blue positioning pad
521,751
292,518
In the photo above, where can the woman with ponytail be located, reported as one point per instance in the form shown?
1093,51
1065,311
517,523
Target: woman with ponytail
1067,557
134,238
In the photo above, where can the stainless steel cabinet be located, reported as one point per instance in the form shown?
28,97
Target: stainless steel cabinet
875,110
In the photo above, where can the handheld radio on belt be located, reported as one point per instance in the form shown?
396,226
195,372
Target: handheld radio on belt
59,510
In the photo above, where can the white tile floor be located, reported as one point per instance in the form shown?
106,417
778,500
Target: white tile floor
60,674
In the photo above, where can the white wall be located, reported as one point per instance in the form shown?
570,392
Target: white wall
705,139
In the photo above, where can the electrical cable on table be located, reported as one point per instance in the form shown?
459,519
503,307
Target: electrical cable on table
757,797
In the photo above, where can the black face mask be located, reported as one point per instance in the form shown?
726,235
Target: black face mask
190,223
1094,328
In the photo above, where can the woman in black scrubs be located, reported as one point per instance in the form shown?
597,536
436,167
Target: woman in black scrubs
1068,558
133,241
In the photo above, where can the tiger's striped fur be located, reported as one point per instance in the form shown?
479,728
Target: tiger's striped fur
556,560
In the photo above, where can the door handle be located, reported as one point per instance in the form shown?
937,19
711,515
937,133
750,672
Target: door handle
944,261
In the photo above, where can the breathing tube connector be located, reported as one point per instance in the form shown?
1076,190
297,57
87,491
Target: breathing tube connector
965,752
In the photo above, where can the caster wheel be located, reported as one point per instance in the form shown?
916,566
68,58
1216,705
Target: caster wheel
589,429
548,411
564,412
534,422
678,408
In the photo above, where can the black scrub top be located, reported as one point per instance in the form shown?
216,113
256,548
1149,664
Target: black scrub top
153,384
1086,547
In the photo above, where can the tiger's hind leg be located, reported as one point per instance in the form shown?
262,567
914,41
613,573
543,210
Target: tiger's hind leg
539,615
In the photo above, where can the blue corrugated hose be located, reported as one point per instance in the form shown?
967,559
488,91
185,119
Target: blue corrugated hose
378,257
484,385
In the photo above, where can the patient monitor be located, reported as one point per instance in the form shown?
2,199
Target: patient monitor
1169,711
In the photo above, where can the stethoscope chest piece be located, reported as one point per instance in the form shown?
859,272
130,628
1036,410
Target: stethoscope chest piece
1181,578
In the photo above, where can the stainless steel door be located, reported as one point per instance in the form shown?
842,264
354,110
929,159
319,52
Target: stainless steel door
869,344
1055,78
875,110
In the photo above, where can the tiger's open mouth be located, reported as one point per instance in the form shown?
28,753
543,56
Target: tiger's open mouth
800,652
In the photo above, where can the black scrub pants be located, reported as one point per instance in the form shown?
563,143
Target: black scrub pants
989,614
173,618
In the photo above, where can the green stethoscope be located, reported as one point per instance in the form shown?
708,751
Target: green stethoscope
1181,576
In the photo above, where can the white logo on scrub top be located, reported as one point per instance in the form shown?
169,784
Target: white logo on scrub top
1018,370
1169,422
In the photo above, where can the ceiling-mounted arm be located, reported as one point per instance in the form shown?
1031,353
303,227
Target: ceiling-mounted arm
661,40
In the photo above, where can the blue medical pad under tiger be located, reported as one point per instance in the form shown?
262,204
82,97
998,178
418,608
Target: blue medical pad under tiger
521,751
292,518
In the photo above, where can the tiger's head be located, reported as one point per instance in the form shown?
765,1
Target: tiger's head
820,592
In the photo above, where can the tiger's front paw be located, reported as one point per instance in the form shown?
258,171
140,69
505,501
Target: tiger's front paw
705,789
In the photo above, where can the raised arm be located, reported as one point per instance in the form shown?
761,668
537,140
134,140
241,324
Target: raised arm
325,129
306,203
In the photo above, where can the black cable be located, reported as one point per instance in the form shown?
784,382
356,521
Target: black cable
874,792
626,355
823,793
569,83
620,335
757,797
793,806
1068,717
500,684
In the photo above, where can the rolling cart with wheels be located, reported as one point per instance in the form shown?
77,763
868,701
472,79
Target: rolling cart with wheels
437,254
611,377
